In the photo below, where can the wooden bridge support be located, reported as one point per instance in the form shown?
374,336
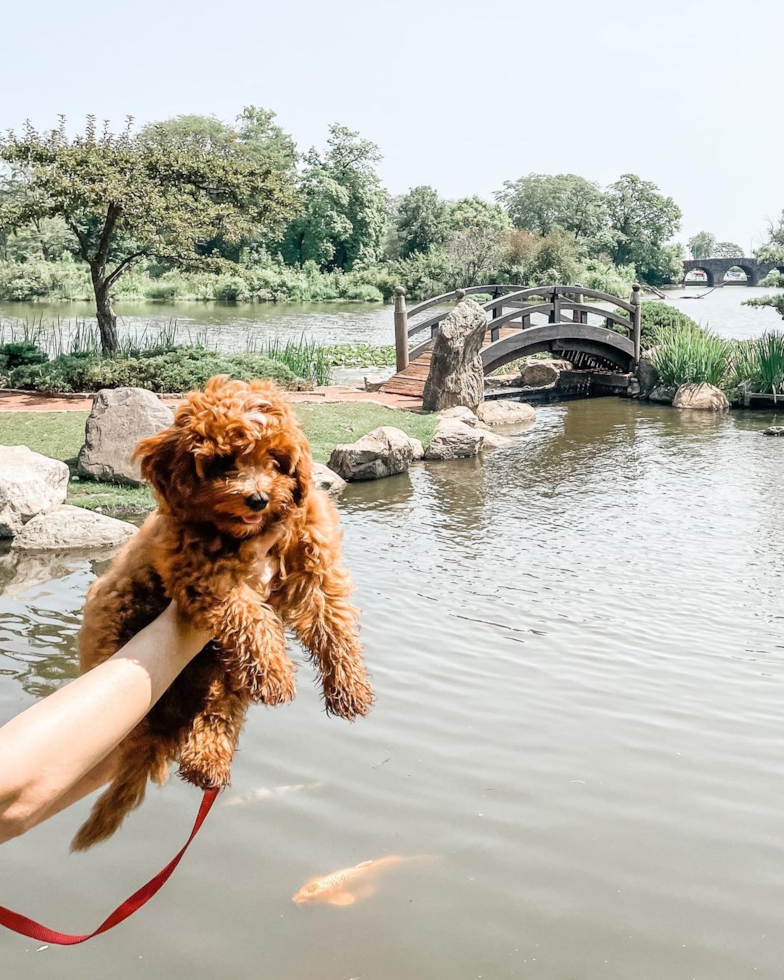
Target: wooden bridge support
636,301
401,330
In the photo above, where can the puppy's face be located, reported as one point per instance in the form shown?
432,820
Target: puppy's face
235,457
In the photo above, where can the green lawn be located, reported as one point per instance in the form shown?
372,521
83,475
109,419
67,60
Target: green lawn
60,435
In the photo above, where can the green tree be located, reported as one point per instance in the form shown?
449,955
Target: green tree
124,198
422,221
728,250
541,202
475,212
702,245
642,221
345,216
254,133
537,260
479,239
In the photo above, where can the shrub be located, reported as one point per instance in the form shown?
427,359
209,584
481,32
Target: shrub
760,363
175,370
163,290
21,352
658,319
689,355
774,279
25,281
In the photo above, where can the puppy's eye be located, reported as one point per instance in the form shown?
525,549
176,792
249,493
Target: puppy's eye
220,466
281,461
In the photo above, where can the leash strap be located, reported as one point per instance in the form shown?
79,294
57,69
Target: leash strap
29,927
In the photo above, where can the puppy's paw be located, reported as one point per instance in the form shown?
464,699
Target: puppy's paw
206,773
349,702
276,685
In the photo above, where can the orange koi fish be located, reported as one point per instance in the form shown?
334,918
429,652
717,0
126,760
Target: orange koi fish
346,886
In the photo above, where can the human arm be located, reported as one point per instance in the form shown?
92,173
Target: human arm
63,747
64,742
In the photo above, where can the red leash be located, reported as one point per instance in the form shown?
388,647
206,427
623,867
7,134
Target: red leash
28,927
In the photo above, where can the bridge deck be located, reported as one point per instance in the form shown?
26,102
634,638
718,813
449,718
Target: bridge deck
411,381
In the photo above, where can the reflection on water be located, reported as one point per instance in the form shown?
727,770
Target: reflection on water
578,651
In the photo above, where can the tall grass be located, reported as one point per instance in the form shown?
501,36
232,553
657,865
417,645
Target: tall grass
689,355
759,363
304,357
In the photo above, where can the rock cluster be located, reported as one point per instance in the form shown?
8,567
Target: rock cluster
33,490
30,484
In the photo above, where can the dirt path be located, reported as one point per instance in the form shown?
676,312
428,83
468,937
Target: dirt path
14,401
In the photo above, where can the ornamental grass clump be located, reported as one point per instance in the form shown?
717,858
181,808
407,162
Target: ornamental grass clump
689,355
759,363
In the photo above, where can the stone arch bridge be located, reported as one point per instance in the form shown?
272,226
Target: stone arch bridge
716,269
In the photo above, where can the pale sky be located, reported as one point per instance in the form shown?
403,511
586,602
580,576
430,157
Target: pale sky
459,95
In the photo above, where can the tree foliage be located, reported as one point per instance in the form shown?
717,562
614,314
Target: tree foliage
728,250
422,221
541,202
702,245
125,198
345,216
254,134
642,221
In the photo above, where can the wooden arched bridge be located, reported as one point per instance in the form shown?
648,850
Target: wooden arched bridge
525,320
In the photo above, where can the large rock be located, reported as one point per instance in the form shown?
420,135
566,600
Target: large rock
501,380
494,441
459,413
774,430
454,439
704,397
662,394
29,484
120,417
65,528
326,479
540,373
382,452
503,412
646,372
456,376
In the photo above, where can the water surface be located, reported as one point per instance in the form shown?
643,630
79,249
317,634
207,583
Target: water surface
578,650
238,326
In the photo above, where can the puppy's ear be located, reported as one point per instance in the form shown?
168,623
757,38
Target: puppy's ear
303,473
161,457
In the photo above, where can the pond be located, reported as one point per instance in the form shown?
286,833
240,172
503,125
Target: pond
235,326
578,651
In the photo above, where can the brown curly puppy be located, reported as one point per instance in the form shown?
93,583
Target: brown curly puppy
233,466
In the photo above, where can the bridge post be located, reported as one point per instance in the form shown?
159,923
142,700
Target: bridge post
577,315
401,330
636,301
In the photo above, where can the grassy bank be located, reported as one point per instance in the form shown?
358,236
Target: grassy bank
48,358
61,434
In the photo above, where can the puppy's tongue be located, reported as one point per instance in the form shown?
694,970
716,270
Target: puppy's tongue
253,520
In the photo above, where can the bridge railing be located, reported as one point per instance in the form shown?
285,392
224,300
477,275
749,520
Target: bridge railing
505,295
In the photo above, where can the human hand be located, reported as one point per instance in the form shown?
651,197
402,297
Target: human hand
267,566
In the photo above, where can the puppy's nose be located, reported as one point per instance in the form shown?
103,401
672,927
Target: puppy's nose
257,501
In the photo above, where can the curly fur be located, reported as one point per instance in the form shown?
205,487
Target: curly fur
200,547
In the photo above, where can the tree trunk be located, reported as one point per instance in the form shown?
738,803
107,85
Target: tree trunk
107,320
